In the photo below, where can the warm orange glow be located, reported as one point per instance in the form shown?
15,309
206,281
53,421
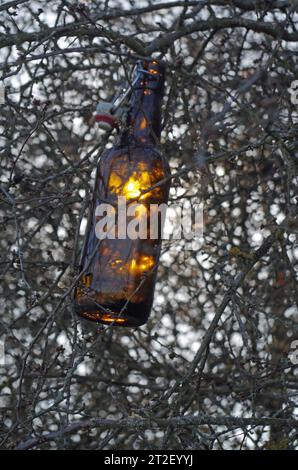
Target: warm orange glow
153,71
115,181
131,189
97,316
142,166
137,183
141,264
117,265
143,123
133,265
109,319
84,284
87,279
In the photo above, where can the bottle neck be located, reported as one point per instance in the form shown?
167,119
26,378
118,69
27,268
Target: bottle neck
143,125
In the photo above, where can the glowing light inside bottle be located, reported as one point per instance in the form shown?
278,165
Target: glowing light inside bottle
136,184
131,189
142,264
108,319
143,123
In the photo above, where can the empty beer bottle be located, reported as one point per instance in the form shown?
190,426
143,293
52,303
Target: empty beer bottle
119,268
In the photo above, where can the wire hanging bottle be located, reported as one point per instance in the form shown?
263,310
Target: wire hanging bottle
133,178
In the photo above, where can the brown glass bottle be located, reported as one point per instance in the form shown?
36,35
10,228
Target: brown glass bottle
118,275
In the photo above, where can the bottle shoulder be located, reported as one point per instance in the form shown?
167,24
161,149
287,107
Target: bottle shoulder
134,153
119,165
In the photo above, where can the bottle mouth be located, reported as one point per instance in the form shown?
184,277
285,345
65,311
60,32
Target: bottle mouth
152,73
154,68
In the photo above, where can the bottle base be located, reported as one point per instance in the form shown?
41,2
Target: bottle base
131,316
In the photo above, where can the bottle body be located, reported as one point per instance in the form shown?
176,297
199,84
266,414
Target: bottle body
119,273
123,237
